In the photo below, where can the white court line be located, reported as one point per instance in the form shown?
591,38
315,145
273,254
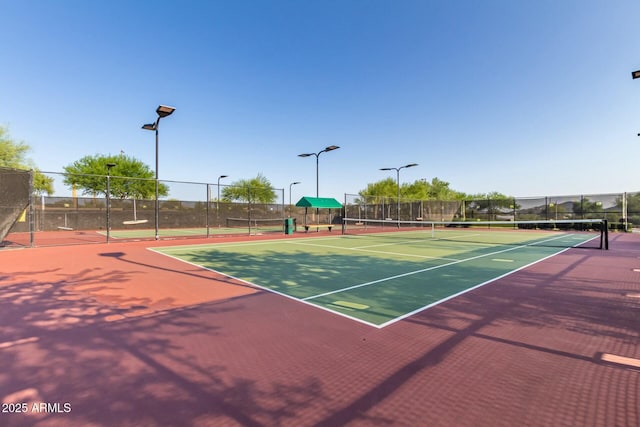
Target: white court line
265,288
418,310
359,249
461,236
222,245
422,270
464,291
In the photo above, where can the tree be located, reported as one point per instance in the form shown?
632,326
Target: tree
13,154
42,184
585,208
130,178
418,190
380,189
556,210
492,203
440,190
633,207
257,189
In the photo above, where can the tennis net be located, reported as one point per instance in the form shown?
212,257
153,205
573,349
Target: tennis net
583,233
257,225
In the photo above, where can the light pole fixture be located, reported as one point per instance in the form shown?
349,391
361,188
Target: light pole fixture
410,165
108,194
290,185
218,199
162,111
329,148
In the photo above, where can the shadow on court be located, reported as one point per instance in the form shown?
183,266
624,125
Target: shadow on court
63,346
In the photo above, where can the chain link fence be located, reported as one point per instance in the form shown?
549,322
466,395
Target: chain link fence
622,210
194,209
185,209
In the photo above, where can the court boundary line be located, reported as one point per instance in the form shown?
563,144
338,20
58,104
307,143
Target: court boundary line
479,285
461,236
264,288
246,243
358,249
426,240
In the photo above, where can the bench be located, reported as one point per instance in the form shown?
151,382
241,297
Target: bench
308,226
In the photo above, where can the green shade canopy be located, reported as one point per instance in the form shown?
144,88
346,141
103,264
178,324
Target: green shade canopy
319,203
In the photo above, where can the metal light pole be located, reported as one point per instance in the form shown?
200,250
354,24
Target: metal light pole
410,165
218,199
109,166
329,148
293,183
634,75
162,111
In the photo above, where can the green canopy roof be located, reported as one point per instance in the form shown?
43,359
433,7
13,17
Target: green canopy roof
319,203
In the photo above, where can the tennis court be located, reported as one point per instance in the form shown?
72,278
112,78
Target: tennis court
130,337
378,278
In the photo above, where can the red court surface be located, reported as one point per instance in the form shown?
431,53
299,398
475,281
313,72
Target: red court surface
116,335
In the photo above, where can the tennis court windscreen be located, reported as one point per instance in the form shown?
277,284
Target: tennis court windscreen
15,190
584,233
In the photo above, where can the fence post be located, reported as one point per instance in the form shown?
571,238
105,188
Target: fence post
625,211
207,210
31,212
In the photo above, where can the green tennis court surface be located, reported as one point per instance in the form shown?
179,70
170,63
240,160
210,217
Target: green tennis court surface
378,279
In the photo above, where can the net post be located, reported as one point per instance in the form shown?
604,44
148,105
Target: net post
605,226
249,208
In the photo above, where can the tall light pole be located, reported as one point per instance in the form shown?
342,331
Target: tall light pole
218,199
410,165
329,148
109,166
162,111
293,183
634,75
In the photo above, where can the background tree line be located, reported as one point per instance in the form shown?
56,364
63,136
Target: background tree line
13,154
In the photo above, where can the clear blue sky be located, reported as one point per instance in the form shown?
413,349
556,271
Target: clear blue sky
527,98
